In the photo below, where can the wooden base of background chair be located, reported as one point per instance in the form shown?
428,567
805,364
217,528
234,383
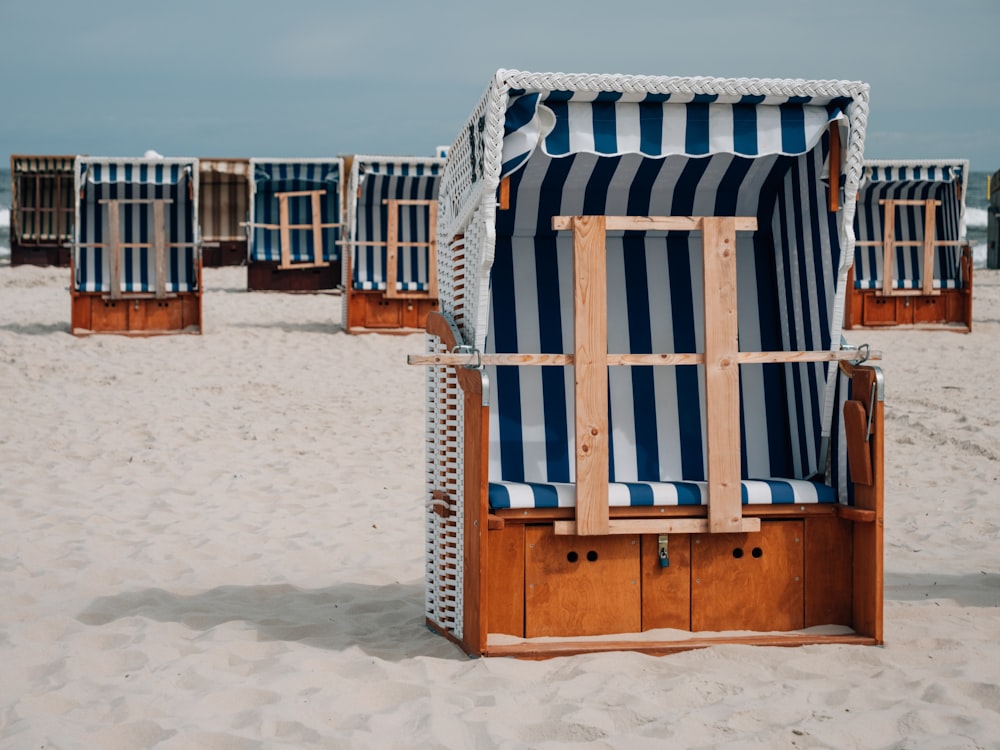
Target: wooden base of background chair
372,311
231,253
947,309
268,276
39,255
96,312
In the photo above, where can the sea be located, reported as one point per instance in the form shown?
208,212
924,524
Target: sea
975,215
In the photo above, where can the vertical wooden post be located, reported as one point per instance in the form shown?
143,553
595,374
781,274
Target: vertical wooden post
432,275
160,249
834,168
392,249
888,246
113,247
722,394
317,227
590,371
927,278
286,237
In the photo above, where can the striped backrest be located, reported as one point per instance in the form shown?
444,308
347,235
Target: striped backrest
135,183
375,180
42,199
933,180
272,176
224,188
786,289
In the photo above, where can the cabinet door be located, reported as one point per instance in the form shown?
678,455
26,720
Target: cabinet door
749,581
578,585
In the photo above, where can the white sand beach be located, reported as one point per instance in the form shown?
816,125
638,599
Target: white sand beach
216,542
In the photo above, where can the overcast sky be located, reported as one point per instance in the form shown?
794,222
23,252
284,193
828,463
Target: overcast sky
319,78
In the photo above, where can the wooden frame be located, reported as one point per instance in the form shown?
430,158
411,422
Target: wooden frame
393,310
496,595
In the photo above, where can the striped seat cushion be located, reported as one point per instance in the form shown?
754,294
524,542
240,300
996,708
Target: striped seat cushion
917,283
646,494
407,286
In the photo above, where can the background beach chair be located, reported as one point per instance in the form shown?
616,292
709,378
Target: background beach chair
911,214
224,208
41,212
392,215
648,424
136,254
295,225
993,220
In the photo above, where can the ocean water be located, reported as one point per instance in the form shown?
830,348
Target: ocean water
975,215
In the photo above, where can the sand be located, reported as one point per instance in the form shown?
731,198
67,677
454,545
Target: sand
216,541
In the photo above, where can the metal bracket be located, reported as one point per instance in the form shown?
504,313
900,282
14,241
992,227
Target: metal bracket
468,349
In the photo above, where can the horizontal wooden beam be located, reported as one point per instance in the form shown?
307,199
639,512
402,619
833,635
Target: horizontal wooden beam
299,193
287,226
409,201
657,526
615,360
654,223
909,202
909,243
135,200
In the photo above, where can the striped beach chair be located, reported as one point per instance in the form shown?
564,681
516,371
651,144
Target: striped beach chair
911,217
224,189
41,211
392,215
640,415
295,224
136,246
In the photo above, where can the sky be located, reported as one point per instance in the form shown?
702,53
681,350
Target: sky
314,78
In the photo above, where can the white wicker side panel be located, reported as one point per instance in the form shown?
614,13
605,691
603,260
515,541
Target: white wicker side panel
444,515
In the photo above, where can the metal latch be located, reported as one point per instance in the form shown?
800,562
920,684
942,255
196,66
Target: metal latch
664,552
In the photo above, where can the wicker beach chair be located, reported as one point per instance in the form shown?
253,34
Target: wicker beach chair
911,216
136,266
392,220
295,224
41,211
642,430
224,208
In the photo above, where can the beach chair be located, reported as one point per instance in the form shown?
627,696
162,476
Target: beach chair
224,208
993,220
392,215
911,218
642,429
295,225
41,212
136,266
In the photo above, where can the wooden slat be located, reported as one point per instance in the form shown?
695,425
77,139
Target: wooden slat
888,246
614,360
834,163
284,229
590,345
159,249
722,395
136,200
655,223
392,250
929,221
504,203
317,229
114,249
432,270
908,202
910,243
656,526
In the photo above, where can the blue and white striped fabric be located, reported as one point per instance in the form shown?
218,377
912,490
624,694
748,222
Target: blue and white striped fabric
104,179
272,176
786,288
933,181
381,181
504,495
659,125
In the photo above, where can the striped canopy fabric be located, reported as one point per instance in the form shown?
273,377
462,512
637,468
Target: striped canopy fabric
938,180
135,183
619,145
272,176
374,180
42,199
657,124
